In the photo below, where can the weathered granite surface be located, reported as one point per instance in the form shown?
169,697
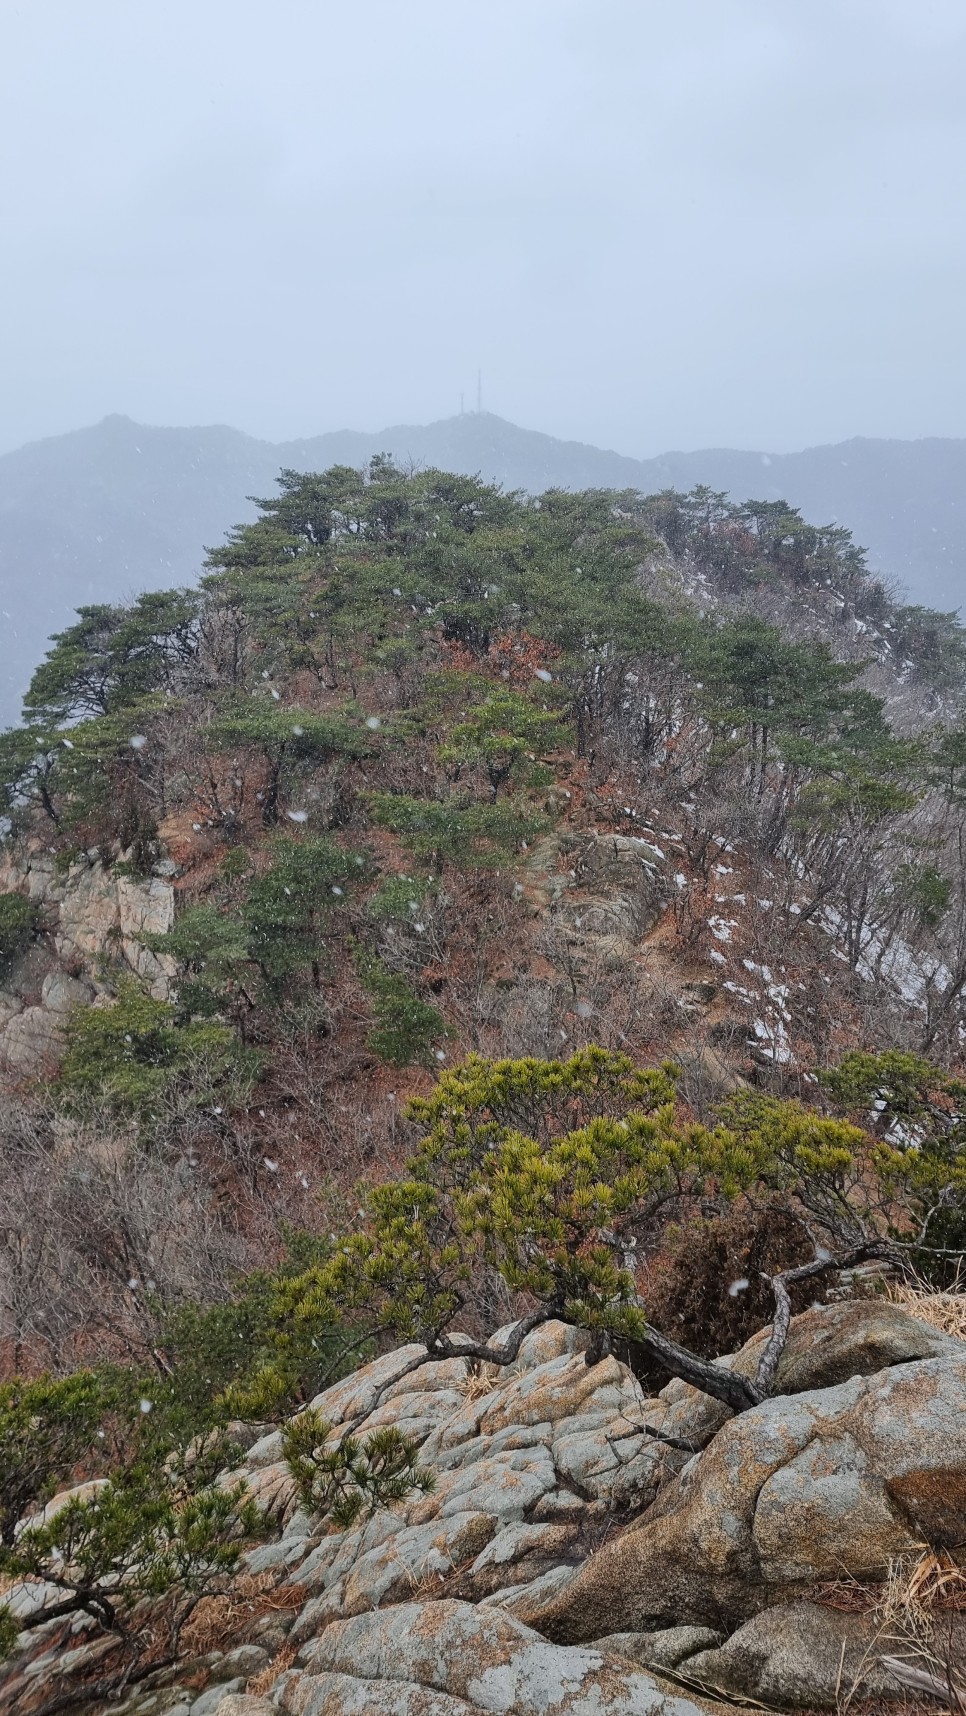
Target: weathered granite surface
565,1564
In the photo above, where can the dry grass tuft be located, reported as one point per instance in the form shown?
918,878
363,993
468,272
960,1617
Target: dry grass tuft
917,1590
230,1615
266,1678
480,1379
944,1311
917,1634
915,1637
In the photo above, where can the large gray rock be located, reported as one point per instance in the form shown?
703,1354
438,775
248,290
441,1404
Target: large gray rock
600,893
32,1042
826,1345
28,869
617,894
146,908
804,1488
107,915
212,1699
475,1657
525,1474
804,1654
60,993
475,1596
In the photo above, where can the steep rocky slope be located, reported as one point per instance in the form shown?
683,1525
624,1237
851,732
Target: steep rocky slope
568,1560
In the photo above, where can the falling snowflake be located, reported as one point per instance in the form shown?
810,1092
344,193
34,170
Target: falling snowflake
299,732
542,674
297,815
137,742
740,1286
146,1405
373,722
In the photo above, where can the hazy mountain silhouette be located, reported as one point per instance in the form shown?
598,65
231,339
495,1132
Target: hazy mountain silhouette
103,512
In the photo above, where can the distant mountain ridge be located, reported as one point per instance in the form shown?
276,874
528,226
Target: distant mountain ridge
102,512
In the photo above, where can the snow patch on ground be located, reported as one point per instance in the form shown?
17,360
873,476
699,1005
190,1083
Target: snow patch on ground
721,928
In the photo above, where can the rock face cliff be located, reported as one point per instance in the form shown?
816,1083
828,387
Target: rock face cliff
598,895
96,918
571,1562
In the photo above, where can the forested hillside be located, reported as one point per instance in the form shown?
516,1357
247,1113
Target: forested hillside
430,768
104,512
464,906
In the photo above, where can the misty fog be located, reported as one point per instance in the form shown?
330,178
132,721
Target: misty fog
650,225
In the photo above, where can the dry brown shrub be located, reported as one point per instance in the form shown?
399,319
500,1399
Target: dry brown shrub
692,1287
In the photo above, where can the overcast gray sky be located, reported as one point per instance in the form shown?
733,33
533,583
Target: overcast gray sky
652,223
